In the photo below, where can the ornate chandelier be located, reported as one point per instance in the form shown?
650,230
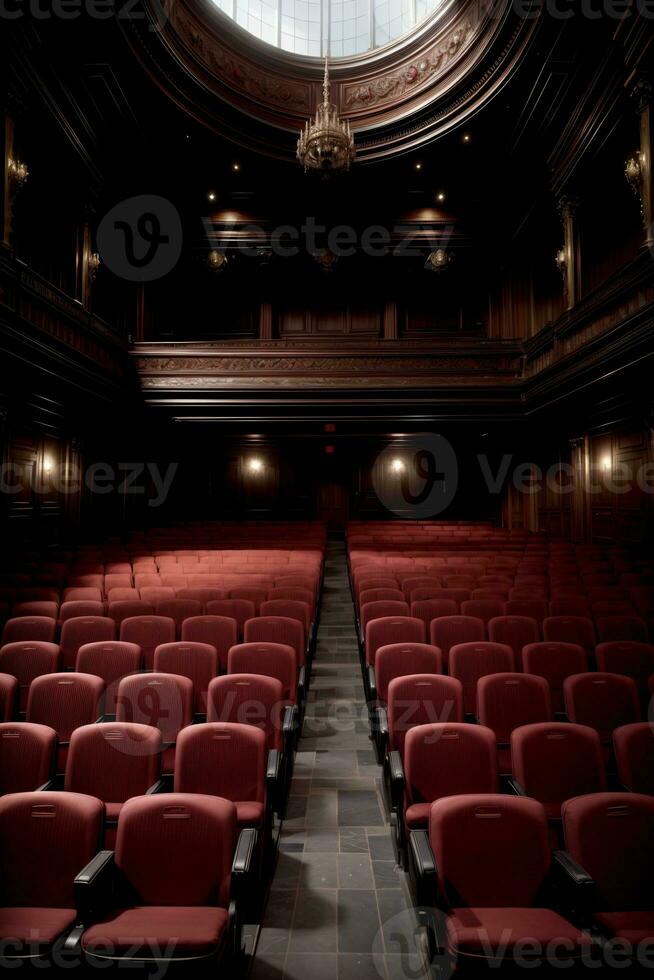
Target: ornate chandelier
326,144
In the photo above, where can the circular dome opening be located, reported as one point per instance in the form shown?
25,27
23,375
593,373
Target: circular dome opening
334,28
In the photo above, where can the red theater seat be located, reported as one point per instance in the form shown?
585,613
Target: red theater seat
392,629
277,629
449,631
111,660
276,660
507,701
420,699
250,699
493,859
27,756
113,762
554,662
197,661
226,760
554,762
147,632
516,631
84,629
170,885
570,629
602,701
634,756
64,702
29,628
45,840
611,836
80,607
8,696
471,661
622,628
239,609
25,661
164,701
220,632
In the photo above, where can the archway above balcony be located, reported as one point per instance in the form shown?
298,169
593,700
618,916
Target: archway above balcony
419,86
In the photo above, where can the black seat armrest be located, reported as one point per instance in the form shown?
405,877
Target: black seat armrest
422,868
571,870
397,781
289,726
94,884
575,887
157,787
516,788
372,685
243,861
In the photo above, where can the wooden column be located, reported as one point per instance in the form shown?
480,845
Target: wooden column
390,320
265,321
7,136
579,503
568,207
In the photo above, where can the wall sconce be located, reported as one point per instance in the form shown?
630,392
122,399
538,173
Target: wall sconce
18,173
255,465
634,173
606,463
217,260
397,466
438,260
94,265
48,465
561,261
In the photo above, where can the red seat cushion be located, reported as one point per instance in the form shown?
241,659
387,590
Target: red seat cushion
190,931
495,932
249,813
113,811
34,926
634,927
417,816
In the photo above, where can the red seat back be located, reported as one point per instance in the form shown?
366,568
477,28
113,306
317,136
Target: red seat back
471,661
148,632
448,759
111,660
554,762
113,761
27,756
197,661
448,631
277,660
400,659
222,759
249,699
392,629
420,699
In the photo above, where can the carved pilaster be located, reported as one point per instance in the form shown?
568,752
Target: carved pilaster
643,96
568,208
579,502
390,320
265,321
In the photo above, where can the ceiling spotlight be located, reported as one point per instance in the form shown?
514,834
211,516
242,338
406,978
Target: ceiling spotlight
211,196
440,197
466,137
397,466
418,165
255,465
236,167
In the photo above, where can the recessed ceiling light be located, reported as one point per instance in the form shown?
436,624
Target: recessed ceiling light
466,137
211,196
440,197
418,165
236,167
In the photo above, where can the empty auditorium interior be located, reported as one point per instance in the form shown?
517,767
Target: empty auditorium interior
326,488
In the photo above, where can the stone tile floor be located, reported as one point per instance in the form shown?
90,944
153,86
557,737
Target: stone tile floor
338,907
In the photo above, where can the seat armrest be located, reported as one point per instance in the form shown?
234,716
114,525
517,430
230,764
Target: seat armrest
273,768
397,782
372,684
571,870
422,868
93,885
157,787
574,885
516,788
381,735
301,683
289,725
243,861
50,784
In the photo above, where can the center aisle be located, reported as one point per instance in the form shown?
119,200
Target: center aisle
338,907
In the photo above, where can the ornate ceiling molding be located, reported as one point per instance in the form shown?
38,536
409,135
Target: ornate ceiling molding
395,97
